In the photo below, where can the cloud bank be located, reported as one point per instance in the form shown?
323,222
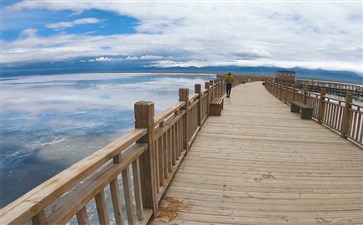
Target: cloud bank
314,35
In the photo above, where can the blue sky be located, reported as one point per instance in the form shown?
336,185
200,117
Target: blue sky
308,34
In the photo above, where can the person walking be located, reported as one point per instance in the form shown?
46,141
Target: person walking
229,81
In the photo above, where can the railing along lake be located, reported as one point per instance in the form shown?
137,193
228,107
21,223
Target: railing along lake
344,117
152,151
336,88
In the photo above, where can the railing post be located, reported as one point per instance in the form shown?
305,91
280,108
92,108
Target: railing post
224,88
212,89
283,92
293,93
273,89
206,86
285,100
279,91
220,87
198,90
216,87
347,115
184,97
144,118
305,97
321,106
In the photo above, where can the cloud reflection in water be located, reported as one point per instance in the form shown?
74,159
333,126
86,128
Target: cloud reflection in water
51,122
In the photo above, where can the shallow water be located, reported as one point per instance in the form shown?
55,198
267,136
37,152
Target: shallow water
50,122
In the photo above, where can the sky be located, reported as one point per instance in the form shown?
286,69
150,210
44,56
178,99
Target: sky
309,34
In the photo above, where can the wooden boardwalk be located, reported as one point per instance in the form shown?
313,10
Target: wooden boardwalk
260,164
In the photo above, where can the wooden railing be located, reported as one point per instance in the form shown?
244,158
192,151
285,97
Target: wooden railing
334,88
152,151
344,117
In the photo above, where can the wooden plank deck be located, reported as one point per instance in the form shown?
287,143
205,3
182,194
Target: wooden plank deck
260,164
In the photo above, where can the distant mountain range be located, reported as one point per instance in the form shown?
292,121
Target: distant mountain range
138,66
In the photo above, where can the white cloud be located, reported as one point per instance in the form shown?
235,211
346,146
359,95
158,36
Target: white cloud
62,25
28,33
102,59
151,57
326,35
132,58
260,53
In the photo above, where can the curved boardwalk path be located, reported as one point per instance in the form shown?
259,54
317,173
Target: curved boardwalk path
260,164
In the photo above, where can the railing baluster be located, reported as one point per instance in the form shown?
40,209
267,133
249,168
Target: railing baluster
128,196
82,217
361,126
115,195
359,123
176,145
339,118
157,159
137,189
327,112
102,208
355,124
334,116
171,146
181,134
170,153
166,155
177,128
116,203
330,113
40,218
161,160
357,117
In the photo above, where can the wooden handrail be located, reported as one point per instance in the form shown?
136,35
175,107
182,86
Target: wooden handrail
86,193
193,97
30,204
168,112
167,124
205,92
